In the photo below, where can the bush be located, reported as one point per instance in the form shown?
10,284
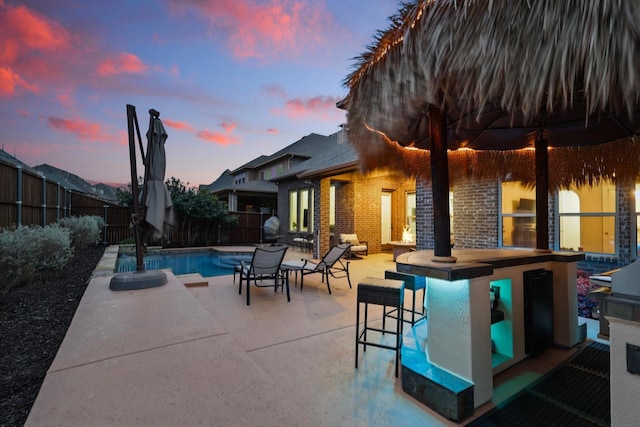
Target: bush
85,230
586,305
26,250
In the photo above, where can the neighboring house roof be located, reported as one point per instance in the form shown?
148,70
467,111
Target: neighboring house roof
334,157
8,158
225,183
67,180
306,147
74,182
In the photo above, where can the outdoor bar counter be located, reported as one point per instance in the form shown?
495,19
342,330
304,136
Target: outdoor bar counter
448,363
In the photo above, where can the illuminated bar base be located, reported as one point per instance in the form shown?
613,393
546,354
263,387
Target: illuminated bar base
449,362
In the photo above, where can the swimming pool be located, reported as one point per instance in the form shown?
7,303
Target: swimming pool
206,263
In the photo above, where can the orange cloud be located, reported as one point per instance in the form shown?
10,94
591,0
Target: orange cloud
217,137
122,63
178,125
84,130
264,30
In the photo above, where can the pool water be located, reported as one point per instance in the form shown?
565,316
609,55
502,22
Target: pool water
206,263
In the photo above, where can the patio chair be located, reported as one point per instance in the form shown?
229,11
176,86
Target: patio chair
357,246
266,264
330,265
304,241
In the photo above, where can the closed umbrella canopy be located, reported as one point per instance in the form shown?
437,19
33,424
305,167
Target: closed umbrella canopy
156,199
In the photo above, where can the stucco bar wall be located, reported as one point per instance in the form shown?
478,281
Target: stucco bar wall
459,336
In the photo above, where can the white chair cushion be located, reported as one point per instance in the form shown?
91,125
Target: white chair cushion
351,238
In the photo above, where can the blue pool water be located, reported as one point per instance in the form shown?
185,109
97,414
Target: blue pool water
206,263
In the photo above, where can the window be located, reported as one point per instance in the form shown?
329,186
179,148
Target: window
588,218
332,208
293,210
518,215
301,210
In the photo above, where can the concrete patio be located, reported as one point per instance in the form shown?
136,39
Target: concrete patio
198,355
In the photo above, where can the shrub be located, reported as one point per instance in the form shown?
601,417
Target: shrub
585,304
26,250
85,230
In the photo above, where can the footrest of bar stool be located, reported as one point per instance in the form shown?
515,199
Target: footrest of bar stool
384,292
413,283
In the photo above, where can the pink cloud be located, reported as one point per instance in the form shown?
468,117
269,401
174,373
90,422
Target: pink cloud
272,130
82,129
178,125
10,81
324,106
23,31
217,137
122,63
65,98
229,127
266,29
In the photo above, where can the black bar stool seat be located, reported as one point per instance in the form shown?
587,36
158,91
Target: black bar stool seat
387,293
413,283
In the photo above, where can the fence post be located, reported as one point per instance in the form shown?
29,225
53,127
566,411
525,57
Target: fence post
219,233
106,225
44,200
58,204
19,196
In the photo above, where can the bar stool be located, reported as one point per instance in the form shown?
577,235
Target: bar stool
387,293
413,283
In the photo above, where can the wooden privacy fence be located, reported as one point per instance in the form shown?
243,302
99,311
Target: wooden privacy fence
27,198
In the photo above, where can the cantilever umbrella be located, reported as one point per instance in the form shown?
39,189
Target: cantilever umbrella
487,79
157,211
156,199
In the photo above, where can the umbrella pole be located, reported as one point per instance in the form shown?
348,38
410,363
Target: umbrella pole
132,120
440,187
542,194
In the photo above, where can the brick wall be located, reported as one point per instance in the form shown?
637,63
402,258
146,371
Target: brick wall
475,214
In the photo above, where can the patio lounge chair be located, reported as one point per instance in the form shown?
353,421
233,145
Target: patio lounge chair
266,264
330,264
357,246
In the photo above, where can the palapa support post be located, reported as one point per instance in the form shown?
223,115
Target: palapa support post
542,194
440,186
141,278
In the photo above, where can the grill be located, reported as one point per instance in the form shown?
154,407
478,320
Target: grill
270,230
621,283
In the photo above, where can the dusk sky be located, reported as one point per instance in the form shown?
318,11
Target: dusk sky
232,79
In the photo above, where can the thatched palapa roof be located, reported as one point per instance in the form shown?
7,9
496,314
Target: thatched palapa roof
504,72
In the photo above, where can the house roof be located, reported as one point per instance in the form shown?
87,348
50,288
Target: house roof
305,147
12,160
225,182
333,157
75,183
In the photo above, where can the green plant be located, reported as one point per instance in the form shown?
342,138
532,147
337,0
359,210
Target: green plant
85,230
25,250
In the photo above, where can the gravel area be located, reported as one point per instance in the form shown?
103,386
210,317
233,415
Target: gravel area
33,322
